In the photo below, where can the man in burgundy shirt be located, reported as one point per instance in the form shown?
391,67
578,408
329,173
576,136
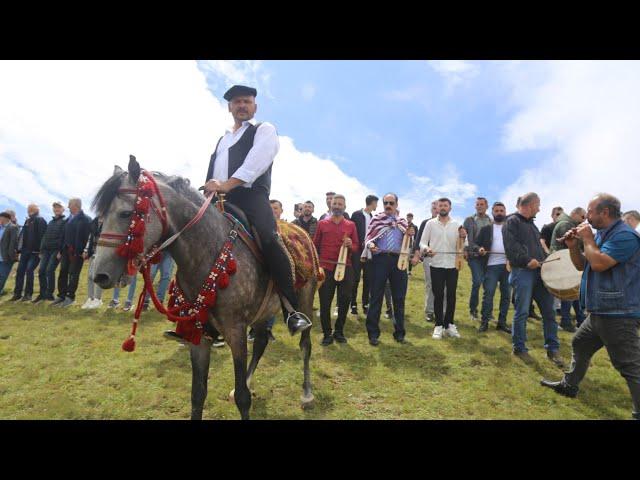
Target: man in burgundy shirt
331,234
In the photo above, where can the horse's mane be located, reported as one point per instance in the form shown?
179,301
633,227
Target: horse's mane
109,190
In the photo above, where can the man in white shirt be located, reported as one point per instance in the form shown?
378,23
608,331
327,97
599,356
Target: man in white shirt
426,262
240,167
441,235
490,247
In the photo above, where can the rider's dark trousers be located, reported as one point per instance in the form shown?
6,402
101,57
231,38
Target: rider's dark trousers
255,204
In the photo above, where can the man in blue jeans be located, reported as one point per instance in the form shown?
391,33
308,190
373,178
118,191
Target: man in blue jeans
609,293
473,225
490,247
524,252
49,248
166,268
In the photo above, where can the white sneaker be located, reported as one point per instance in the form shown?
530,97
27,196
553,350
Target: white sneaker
437,332
95,304
87,304
452,331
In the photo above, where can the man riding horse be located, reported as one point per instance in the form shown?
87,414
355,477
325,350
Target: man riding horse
240,168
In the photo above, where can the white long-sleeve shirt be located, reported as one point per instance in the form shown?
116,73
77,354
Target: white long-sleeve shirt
265,147
441,237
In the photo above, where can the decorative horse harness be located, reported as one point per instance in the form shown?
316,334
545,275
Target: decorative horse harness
190,317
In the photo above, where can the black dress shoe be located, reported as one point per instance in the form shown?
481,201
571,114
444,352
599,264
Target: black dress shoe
38,299
326,341
560,387
504,327
354,310
15,298
58,301
374,342
339,337
400,339
298,322
484,326
26,298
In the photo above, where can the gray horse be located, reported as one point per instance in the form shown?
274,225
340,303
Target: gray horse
194,253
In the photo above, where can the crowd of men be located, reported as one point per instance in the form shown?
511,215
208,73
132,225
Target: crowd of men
66,242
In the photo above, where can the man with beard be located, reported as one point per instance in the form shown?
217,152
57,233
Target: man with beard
307,221
240,167
333,233
494,266
417,257
609,293
384,241
49,249
441,235
329,198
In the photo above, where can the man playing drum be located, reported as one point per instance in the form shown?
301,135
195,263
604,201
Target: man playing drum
609,293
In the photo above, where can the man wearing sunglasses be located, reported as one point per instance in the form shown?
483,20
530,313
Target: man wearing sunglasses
383,242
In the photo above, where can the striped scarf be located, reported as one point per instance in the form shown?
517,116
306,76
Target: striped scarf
379,226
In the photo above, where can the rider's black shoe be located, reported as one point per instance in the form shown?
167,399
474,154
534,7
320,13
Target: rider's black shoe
298,322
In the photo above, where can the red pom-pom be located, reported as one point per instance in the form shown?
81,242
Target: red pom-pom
146,189
123,250
129,344
138,227
203,315
223,280
142,205
210,298
232,266
137,245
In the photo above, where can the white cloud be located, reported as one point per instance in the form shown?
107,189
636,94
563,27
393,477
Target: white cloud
455,72
221,74
425,189
586,113
70,122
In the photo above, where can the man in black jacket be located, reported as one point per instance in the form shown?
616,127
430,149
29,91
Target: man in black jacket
489,246
8,247
29,250
76,234
49,248
525,254
362,218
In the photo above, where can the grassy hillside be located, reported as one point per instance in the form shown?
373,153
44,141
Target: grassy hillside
67,364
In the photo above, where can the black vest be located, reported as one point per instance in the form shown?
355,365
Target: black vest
237,154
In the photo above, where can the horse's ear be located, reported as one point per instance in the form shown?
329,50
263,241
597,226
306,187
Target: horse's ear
117,170
134,169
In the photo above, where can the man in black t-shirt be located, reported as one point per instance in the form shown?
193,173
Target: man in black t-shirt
547,230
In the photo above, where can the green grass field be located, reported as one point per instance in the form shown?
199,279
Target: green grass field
67,364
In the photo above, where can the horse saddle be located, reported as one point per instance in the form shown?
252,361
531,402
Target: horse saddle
296,243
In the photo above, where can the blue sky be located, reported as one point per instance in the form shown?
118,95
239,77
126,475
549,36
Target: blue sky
423,129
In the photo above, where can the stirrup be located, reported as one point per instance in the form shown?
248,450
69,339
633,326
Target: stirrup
309,322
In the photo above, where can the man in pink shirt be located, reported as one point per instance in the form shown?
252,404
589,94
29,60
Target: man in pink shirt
332,233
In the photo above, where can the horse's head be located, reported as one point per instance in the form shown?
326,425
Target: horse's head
116,203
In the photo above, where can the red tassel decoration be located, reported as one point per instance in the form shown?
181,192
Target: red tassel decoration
137,245
123,250
203,315
210,298
138,228
142,205
146,189
129,344
232,266
223,280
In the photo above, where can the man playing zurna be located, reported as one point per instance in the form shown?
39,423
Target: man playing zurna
240,167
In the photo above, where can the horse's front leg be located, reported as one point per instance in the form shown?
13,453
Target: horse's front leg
236,337
200,356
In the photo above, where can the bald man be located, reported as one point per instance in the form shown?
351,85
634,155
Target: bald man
29,250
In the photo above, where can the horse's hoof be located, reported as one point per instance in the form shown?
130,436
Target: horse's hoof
232,395
306,401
